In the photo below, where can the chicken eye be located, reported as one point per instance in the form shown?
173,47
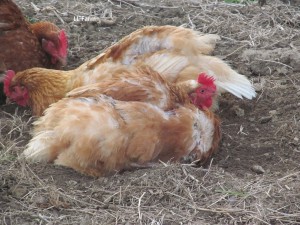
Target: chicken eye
202,91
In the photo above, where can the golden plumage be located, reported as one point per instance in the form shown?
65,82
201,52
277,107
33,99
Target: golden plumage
98,135
178,54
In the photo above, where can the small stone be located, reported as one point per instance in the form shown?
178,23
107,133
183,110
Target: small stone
273,112
232,200
39,200
296,139
238,111
18,191
258,169
258,87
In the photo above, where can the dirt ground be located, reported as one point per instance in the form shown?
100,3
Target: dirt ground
253,179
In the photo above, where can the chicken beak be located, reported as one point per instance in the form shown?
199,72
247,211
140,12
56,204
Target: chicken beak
63,61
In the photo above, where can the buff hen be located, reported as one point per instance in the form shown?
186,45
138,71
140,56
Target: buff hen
98,135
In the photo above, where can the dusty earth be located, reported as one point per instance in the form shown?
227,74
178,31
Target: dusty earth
253,179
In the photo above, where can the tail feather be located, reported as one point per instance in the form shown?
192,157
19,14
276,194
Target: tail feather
176,67
237,85
226,78
37,149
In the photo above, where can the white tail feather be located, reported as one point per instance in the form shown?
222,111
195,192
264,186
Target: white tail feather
37,149
171,66
237,85
226,78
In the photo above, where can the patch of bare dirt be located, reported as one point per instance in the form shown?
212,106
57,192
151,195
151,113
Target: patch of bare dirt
253,179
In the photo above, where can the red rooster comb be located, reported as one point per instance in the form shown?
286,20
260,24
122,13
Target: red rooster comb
7,80
206,80
64,42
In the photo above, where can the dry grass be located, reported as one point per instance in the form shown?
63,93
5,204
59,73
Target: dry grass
167,194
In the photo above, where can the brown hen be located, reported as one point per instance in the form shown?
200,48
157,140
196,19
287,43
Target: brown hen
24,45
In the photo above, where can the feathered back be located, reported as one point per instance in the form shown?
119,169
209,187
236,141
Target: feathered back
99,135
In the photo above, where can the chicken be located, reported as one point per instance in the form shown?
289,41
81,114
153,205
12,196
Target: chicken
98,135
146,85
118,79
178,54
54,43
24,45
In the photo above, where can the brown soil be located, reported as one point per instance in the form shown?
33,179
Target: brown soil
253,179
